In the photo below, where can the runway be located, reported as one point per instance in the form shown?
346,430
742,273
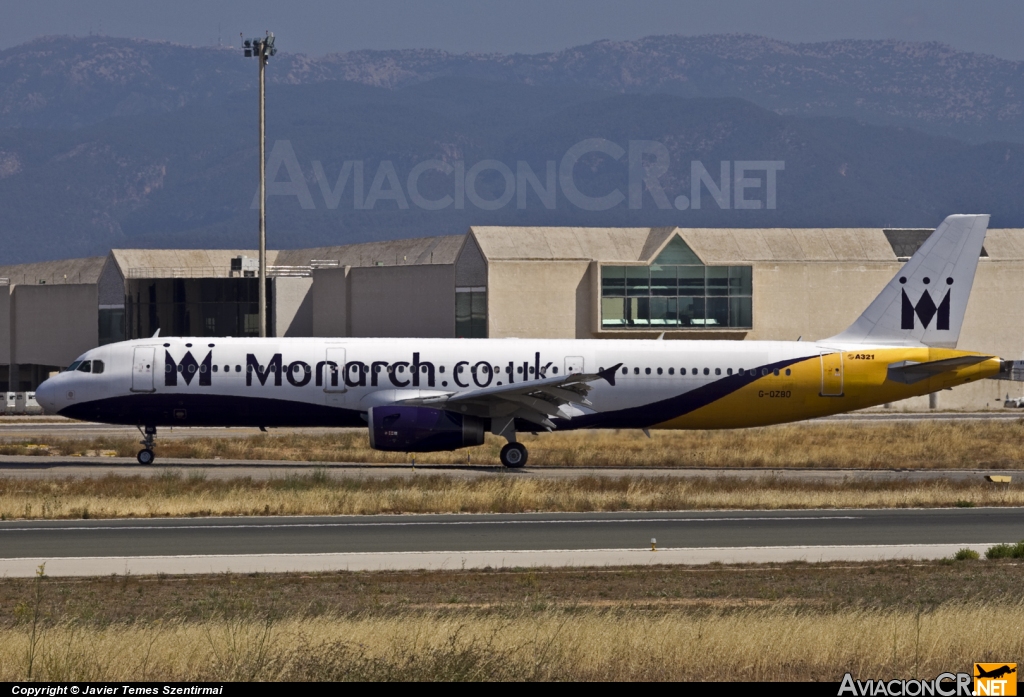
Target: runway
50,467
55,426
205,545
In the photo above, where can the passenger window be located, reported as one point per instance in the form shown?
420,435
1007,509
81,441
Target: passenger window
707,371
729,371
555,370
238,369
647,371
636,371
776,373
85,367
787,371
97,367
718,371
625,371
694,371
671,371
659,371
215,368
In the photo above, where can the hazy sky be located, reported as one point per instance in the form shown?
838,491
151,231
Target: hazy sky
528,26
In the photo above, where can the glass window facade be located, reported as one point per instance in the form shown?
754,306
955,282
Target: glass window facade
194,307
111,327
677,290
471,313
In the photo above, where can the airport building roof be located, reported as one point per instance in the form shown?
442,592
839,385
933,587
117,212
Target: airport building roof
214,263
506,243
50,272
715,245
418,251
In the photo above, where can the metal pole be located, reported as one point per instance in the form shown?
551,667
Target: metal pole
263,197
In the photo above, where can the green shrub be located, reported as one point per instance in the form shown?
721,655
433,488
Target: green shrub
966,554
1006,551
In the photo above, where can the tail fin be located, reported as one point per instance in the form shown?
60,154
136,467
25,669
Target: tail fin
924,304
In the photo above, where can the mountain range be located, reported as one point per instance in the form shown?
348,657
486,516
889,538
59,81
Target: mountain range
110,142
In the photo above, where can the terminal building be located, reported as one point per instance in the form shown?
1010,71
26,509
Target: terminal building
526,282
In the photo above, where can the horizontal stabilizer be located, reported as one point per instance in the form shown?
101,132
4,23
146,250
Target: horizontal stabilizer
911,372
1010,370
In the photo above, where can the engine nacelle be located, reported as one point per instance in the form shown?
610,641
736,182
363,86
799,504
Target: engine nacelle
422,429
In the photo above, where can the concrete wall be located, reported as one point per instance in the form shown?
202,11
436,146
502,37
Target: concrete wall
111,285
330,302
993,324
53,324
407,301
470,267
815,300
5,325
293,307
536,299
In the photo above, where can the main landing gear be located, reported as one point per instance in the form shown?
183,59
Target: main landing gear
514,455
146,456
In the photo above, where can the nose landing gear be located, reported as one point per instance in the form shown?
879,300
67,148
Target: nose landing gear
146,456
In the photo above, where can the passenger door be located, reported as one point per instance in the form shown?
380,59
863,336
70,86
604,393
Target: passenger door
334,371
832,374
143,369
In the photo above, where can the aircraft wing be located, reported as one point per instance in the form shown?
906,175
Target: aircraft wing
910,372
535,401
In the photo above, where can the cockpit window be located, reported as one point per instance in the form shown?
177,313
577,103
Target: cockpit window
97,367
85,367
74,366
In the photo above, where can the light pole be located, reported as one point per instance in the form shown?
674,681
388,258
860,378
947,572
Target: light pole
262,49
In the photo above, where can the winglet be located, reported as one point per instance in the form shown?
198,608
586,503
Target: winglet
609,374
156,333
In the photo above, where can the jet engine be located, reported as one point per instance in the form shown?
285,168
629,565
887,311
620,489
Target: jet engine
422,429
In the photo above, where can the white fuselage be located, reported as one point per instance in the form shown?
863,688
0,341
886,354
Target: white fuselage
284,381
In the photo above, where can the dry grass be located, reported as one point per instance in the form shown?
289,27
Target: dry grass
813,587
941,445
565,643
318,493
753,622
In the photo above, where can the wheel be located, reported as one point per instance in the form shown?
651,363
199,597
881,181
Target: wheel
513,455
145,456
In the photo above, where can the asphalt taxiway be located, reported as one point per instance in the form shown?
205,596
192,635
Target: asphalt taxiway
55,426
50,467
206,545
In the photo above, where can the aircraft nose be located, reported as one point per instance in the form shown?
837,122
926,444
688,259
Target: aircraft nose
46,396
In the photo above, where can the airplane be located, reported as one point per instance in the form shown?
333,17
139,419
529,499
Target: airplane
422,395
994,673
